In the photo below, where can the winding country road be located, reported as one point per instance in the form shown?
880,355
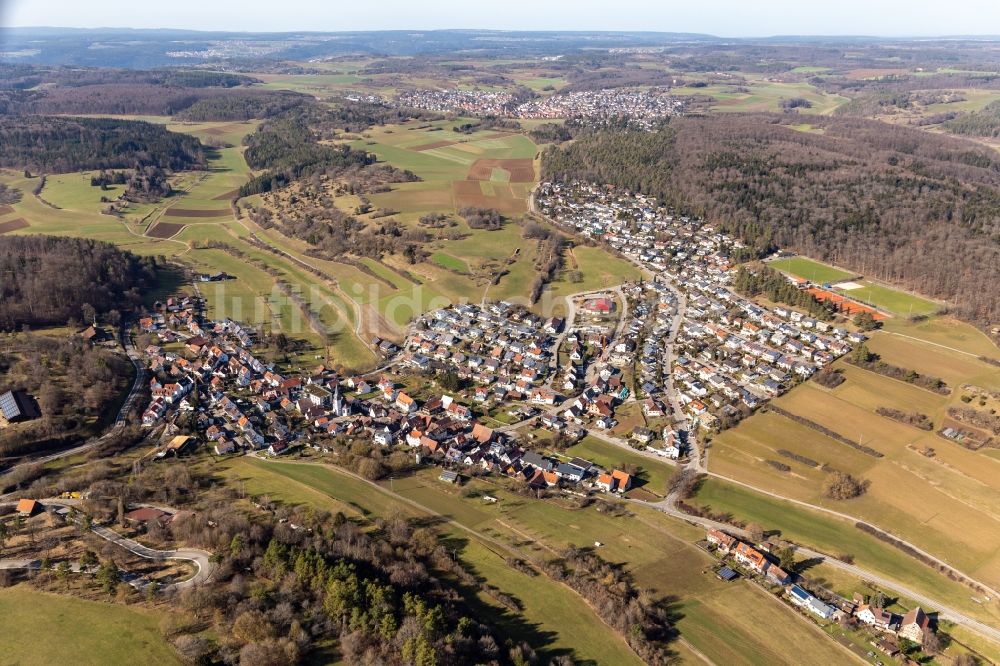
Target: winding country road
200,558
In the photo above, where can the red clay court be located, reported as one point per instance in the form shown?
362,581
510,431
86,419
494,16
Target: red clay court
845,304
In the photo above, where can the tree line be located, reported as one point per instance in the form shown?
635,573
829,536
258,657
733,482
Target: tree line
770,283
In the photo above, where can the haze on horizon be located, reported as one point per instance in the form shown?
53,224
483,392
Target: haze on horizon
724,18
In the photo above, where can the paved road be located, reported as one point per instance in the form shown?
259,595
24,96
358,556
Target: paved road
200,558
698,462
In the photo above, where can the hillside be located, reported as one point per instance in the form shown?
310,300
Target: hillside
47,280
61,145
891,202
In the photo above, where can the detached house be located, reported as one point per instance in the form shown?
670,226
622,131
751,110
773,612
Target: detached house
750,557
915,625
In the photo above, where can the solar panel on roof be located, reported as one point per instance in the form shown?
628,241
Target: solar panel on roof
9,406
725,573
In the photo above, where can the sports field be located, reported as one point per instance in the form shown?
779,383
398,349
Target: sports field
813,271
77,631
892,300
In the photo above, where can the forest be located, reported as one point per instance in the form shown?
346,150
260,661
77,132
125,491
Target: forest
48,280
286,150
985,123
22,77
62,145
358,115
190,94
897,204
187,103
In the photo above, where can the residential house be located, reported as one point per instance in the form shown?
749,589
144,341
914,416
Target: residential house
750,557
721,540
877,617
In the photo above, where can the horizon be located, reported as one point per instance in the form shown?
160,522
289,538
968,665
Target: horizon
839,36
726,19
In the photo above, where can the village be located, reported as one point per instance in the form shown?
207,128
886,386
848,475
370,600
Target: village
244,405
642,108
682,347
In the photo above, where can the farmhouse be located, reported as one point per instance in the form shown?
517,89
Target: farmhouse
28,507
915,625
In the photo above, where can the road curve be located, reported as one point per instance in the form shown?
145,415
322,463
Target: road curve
200,558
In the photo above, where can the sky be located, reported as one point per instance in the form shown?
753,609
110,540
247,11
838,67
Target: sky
725,18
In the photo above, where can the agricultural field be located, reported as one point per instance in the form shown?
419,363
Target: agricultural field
760,95
180,225
663,560
77,631
839,537
951,503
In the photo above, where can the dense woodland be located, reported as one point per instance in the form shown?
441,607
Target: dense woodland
188,93
357,115
23,77
62,145
898,204
187,103
984,123
48,280
286,150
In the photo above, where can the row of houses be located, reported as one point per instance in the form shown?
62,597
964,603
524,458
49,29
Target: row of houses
915,625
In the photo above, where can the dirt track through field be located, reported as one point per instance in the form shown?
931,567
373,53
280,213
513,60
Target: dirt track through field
5,210
194,212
